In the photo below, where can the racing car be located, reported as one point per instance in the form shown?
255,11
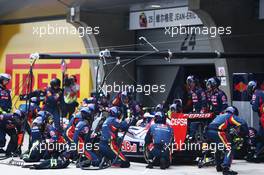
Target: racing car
134,145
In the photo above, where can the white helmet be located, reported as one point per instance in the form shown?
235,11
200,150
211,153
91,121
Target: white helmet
4,76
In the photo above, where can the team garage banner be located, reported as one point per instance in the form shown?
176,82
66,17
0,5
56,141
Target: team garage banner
17,42
163,18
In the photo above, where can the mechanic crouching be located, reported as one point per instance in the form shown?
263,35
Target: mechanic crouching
44,136
158,142
12,125
109,146
219,132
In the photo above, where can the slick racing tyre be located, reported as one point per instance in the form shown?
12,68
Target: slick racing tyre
146,153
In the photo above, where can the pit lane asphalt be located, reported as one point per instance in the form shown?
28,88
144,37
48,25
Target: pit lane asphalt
136,168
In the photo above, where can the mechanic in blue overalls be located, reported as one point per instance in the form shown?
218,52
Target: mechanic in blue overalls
219,133
199,101
5,105
158,141
257,103
217,98
53,101
109,145
12,123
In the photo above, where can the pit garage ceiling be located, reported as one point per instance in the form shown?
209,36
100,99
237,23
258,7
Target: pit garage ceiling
28,9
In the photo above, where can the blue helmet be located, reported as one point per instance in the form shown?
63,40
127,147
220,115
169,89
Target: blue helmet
91,107
42,114
85,110
23,108
18,113
232,110
89,100
86,113
46,116
115,111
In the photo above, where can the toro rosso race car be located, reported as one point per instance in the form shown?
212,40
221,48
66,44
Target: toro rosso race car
133,143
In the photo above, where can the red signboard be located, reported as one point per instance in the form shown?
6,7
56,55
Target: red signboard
42,72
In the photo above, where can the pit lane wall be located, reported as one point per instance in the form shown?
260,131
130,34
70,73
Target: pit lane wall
18,41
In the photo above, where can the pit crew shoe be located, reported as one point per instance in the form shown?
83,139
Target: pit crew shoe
227,171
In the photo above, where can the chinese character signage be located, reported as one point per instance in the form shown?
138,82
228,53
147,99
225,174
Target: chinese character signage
163,18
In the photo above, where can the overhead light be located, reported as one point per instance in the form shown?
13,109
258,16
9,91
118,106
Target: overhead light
155,6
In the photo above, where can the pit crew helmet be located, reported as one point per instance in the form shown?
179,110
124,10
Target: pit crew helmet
55,82
115,111
251,87
232,110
